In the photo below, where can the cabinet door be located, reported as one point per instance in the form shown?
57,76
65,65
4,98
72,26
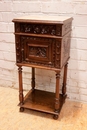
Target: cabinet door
37,50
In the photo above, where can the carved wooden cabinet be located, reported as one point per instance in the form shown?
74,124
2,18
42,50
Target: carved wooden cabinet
43,42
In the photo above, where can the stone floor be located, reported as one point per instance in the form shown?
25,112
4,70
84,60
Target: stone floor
72,117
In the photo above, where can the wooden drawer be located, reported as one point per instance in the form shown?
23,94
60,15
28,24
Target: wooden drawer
43,29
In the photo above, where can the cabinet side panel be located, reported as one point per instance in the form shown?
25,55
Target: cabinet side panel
66,28
65,49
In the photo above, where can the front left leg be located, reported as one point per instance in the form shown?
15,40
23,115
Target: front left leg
21,97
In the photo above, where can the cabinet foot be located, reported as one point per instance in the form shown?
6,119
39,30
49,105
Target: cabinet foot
55,117
21,109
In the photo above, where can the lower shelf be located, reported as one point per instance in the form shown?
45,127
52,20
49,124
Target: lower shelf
42,101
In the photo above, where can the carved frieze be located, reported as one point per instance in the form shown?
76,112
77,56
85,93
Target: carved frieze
41,29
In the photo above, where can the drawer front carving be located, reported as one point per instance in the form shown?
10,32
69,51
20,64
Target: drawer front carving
38,51
42,29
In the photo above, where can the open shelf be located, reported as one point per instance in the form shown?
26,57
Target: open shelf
42,101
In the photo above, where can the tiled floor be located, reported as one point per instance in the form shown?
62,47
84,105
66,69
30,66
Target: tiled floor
72,117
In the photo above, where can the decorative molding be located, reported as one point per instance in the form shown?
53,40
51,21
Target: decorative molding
57,54
57,75
20,69
18,55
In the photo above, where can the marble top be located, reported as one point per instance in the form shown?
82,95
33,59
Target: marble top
46,18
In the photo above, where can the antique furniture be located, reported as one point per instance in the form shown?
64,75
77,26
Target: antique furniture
43,42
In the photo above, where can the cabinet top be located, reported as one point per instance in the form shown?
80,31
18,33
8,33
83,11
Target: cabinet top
43,19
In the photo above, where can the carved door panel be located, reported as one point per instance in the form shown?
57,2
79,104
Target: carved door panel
37,50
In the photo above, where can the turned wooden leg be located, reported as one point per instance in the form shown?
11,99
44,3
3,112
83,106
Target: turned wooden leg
33,78
64,80
21,98
57,95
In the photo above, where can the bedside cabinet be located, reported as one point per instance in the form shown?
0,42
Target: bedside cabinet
43,42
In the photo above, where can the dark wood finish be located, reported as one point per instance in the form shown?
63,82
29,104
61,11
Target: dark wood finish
42,101
64,80
57,92
43,44
33,78
21,97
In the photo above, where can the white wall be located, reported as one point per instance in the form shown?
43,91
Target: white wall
77,71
